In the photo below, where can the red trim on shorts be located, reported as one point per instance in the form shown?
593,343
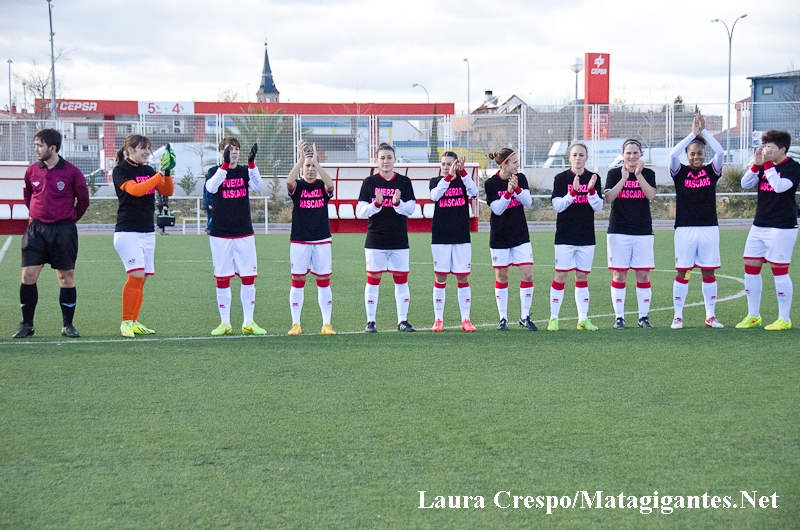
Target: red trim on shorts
373,281
684,269
224,277
581,285
643,268
397,272
713,279
643,285
567,270
618,269
315,274
683,280
702,268
557,285
778,264
752,269
298,284
585,272
376,272
149,273
617,285
451,272
498,285
127,271
311,242
521,264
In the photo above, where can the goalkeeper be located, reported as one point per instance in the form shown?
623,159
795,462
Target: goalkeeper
134,237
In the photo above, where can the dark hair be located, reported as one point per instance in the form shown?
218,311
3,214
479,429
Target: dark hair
781,139
385,147
633,141
501,156
49,137
698,140
132,141
230,140
450,154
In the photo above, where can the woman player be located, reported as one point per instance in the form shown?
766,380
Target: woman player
134,234
507,195
576,196
629,190
450,241
310,247
696,227
387,199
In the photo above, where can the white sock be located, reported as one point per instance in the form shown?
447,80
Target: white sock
582,301
525,298
464,300
752,286
247,294
785,290
679,292
556,298
618,299
296,299
501,295
325,299
224,304
439,295
371,301
402,298
643,295
710,298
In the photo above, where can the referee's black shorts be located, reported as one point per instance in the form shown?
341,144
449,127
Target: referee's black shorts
53,243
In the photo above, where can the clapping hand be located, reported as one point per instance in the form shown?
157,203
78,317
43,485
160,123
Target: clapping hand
396,198
759,156
379,198
252,158
226,154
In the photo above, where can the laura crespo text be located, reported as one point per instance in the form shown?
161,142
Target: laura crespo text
598,499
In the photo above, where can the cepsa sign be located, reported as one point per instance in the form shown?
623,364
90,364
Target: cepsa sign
596,86
79,106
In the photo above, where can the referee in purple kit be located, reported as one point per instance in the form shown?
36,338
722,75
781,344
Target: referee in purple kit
57,196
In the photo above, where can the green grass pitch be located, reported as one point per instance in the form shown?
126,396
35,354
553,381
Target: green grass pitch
184,431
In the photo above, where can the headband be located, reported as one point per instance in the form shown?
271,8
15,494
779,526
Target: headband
506,159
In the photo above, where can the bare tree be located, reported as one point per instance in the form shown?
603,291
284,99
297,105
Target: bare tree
227,95
200,149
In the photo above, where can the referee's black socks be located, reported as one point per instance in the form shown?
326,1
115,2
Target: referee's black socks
67,298
28,297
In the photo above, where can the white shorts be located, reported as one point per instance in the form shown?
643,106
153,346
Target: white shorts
311,257
234,256
380,260
630,252
512,257
774,245
137,250
697,246
452,259
574,257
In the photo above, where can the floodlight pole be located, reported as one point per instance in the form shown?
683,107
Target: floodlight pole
52,59
576,67
730,45
468,110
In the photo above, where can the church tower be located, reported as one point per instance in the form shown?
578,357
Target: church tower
267,93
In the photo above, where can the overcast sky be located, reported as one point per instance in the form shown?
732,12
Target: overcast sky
348,50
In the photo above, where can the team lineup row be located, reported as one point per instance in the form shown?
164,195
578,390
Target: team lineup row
57,196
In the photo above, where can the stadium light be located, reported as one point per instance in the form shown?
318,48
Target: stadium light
423,88
730,44
576,66
468,110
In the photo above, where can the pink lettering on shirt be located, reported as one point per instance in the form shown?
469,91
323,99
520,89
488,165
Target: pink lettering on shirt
145,178
514,202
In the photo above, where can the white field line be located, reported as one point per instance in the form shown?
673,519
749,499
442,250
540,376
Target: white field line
5,247
251,337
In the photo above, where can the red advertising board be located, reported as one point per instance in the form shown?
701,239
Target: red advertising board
597,74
